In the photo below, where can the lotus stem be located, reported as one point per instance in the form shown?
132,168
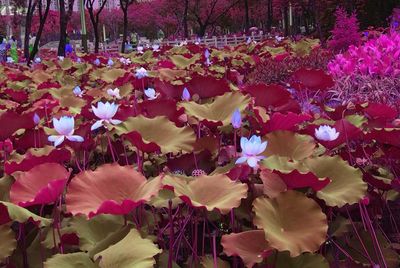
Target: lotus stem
111,147
214,240
171,234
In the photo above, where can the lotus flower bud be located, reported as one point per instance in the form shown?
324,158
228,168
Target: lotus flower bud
185,94
236,119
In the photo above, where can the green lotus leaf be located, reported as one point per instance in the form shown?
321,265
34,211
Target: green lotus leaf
21,215
306,260
183,62
346,186
71,260
8,242
291,222
220,110
289,144
111,75
131,251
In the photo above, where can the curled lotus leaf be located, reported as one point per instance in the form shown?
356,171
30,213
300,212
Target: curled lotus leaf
131,251
92,231
251,246
11,212
289,144
43,184
346,186
110,189
291,222
8,242
212,192
161,131
71,260
218,111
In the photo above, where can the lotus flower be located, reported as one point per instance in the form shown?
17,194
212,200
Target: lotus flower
78,91
326,133
251,150
151,94
140,49
114,93
185,94
125,61
38,60
156,48
79,60
141,73
110,62
236,119
96,62
105,112
36,119
248,41
60,58
10,60
207,54
65,128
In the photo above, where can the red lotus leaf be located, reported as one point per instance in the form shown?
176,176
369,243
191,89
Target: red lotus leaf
12,121
312,79
17,77
251,246
126,78
273,97
159,107
386,136
41,185
110,189
32,138
240,172
165,64
18,96
377,183
273,184
136,139
207,86
212,192
168,90
46,85
295,180
288,121
36,157
381,111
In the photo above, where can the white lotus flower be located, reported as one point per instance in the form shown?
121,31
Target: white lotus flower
156,48
78,91
38,60
10,60
251,150
65,128
151,93
60,58
96,62
140,49
141,73
326,133
114,93
79,60
105,112
110,62
125,61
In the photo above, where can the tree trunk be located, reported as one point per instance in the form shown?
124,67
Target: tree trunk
96,37
247,17
63,30
185,19
202,30
270,15
39,33
125,33
286,19
28,27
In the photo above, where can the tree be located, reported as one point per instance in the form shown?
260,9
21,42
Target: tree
65,15
124,6
346,31
207,12
94,18
42,21
28,25
247,16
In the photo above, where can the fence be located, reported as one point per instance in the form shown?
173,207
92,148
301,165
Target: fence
216,41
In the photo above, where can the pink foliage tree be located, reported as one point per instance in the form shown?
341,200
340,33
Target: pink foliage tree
346,31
